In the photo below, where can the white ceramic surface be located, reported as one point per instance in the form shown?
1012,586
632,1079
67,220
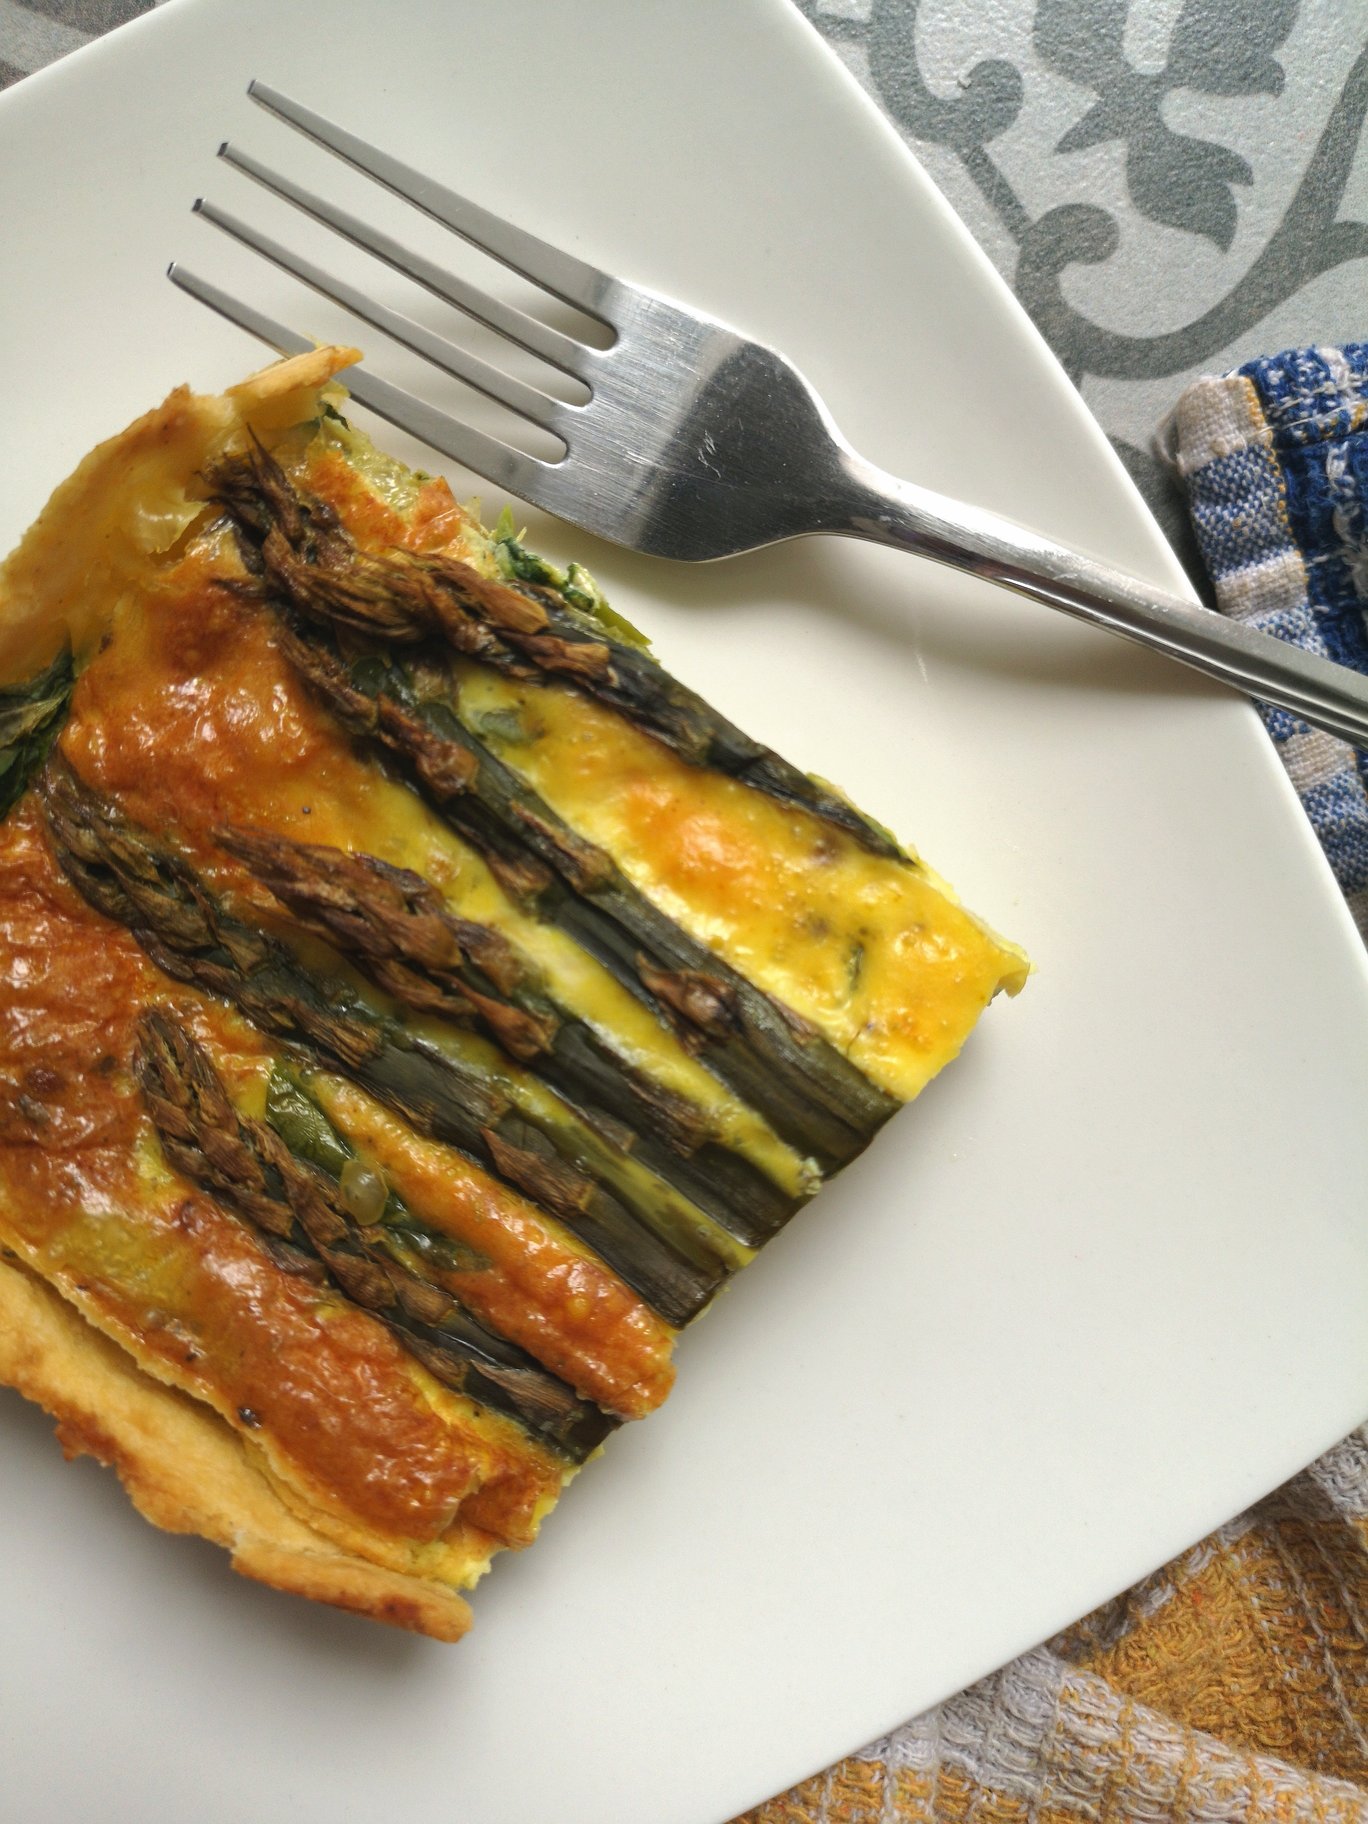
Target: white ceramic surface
1101,1287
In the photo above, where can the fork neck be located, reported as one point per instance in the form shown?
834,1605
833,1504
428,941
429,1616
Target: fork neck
887,511
892,512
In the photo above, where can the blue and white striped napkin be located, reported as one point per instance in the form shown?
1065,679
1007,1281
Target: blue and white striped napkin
1275,461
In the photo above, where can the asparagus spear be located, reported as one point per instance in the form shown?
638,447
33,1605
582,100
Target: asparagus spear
311,1136
31,717
396,927
525,627
298,1213
657,1243
811,1095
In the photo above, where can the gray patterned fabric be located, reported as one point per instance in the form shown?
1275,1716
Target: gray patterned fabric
1169,185
38,32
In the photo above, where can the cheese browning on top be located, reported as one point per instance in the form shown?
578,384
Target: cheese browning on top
875,951
413,1004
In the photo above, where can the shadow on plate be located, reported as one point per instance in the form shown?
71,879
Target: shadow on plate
100,1522
1047,649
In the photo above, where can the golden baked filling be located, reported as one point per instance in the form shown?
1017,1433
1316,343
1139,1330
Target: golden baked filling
416,1004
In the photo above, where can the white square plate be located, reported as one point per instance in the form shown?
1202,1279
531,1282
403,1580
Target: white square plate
1101,1287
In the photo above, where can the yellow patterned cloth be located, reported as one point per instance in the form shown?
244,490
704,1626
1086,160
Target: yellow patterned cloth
1230,1686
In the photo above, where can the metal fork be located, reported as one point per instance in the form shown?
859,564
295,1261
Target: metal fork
696,442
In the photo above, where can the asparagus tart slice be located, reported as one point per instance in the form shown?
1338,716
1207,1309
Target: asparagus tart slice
416,1003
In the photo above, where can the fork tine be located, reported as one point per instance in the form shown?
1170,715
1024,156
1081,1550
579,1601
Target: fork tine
246,316
506,467
527,401
537,338
567,277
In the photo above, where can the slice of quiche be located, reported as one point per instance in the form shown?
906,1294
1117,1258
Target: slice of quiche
416,1003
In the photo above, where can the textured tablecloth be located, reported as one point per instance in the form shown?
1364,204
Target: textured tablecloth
1170,188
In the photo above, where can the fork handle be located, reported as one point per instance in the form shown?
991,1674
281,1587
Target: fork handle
898,513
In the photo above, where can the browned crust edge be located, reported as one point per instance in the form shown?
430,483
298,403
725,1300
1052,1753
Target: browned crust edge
184,1469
